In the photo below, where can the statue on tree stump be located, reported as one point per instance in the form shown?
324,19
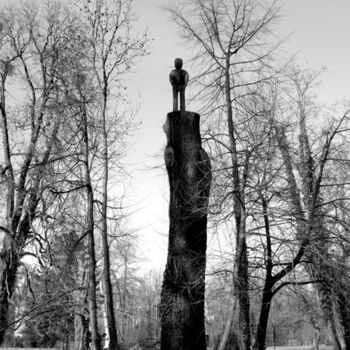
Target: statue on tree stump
178,79
189,172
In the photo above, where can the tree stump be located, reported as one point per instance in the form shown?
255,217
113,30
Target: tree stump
182,296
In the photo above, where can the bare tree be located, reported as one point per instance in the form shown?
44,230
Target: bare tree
32,49
66,66
112,53
311,164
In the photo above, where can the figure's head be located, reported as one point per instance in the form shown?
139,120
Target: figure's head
178,63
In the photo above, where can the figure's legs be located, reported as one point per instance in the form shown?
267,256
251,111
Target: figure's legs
182,100
175,100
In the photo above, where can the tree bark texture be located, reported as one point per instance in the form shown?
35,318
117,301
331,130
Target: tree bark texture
241,285
267,295
111,321
182,296
227,331
92,300
12,249
9,263
344,312
260,338
325,296
241,276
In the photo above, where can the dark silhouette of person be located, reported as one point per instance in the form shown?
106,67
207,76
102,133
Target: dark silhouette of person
178,79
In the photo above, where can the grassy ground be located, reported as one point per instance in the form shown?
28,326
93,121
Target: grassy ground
304,347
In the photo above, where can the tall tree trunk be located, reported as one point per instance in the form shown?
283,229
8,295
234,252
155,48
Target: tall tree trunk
325,297
241,284
123,299
111,322
92,301
260,337
81,330
227,331
241,278
9,259
182,295
344,312
9,263
317,338
10,256
81,317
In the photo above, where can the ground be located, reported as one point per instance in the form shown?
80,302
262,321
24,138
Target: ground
304,347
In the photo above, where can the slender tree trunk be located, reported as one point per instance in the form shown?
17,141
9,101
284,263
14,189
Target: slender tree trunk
111,322
242,292
317,338
9,260
241,277
334,335
182,295
226,334
123,298
9,263
81,330
95,341
81,319
10,256
327,310
320,270
260,337
344,312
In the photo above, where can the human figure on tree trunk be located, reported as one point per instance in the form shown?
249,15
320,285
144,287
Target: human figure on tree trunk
178,79
181,308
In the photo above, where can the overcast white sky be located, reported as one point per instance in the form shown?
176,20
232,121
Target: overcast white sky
320,35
